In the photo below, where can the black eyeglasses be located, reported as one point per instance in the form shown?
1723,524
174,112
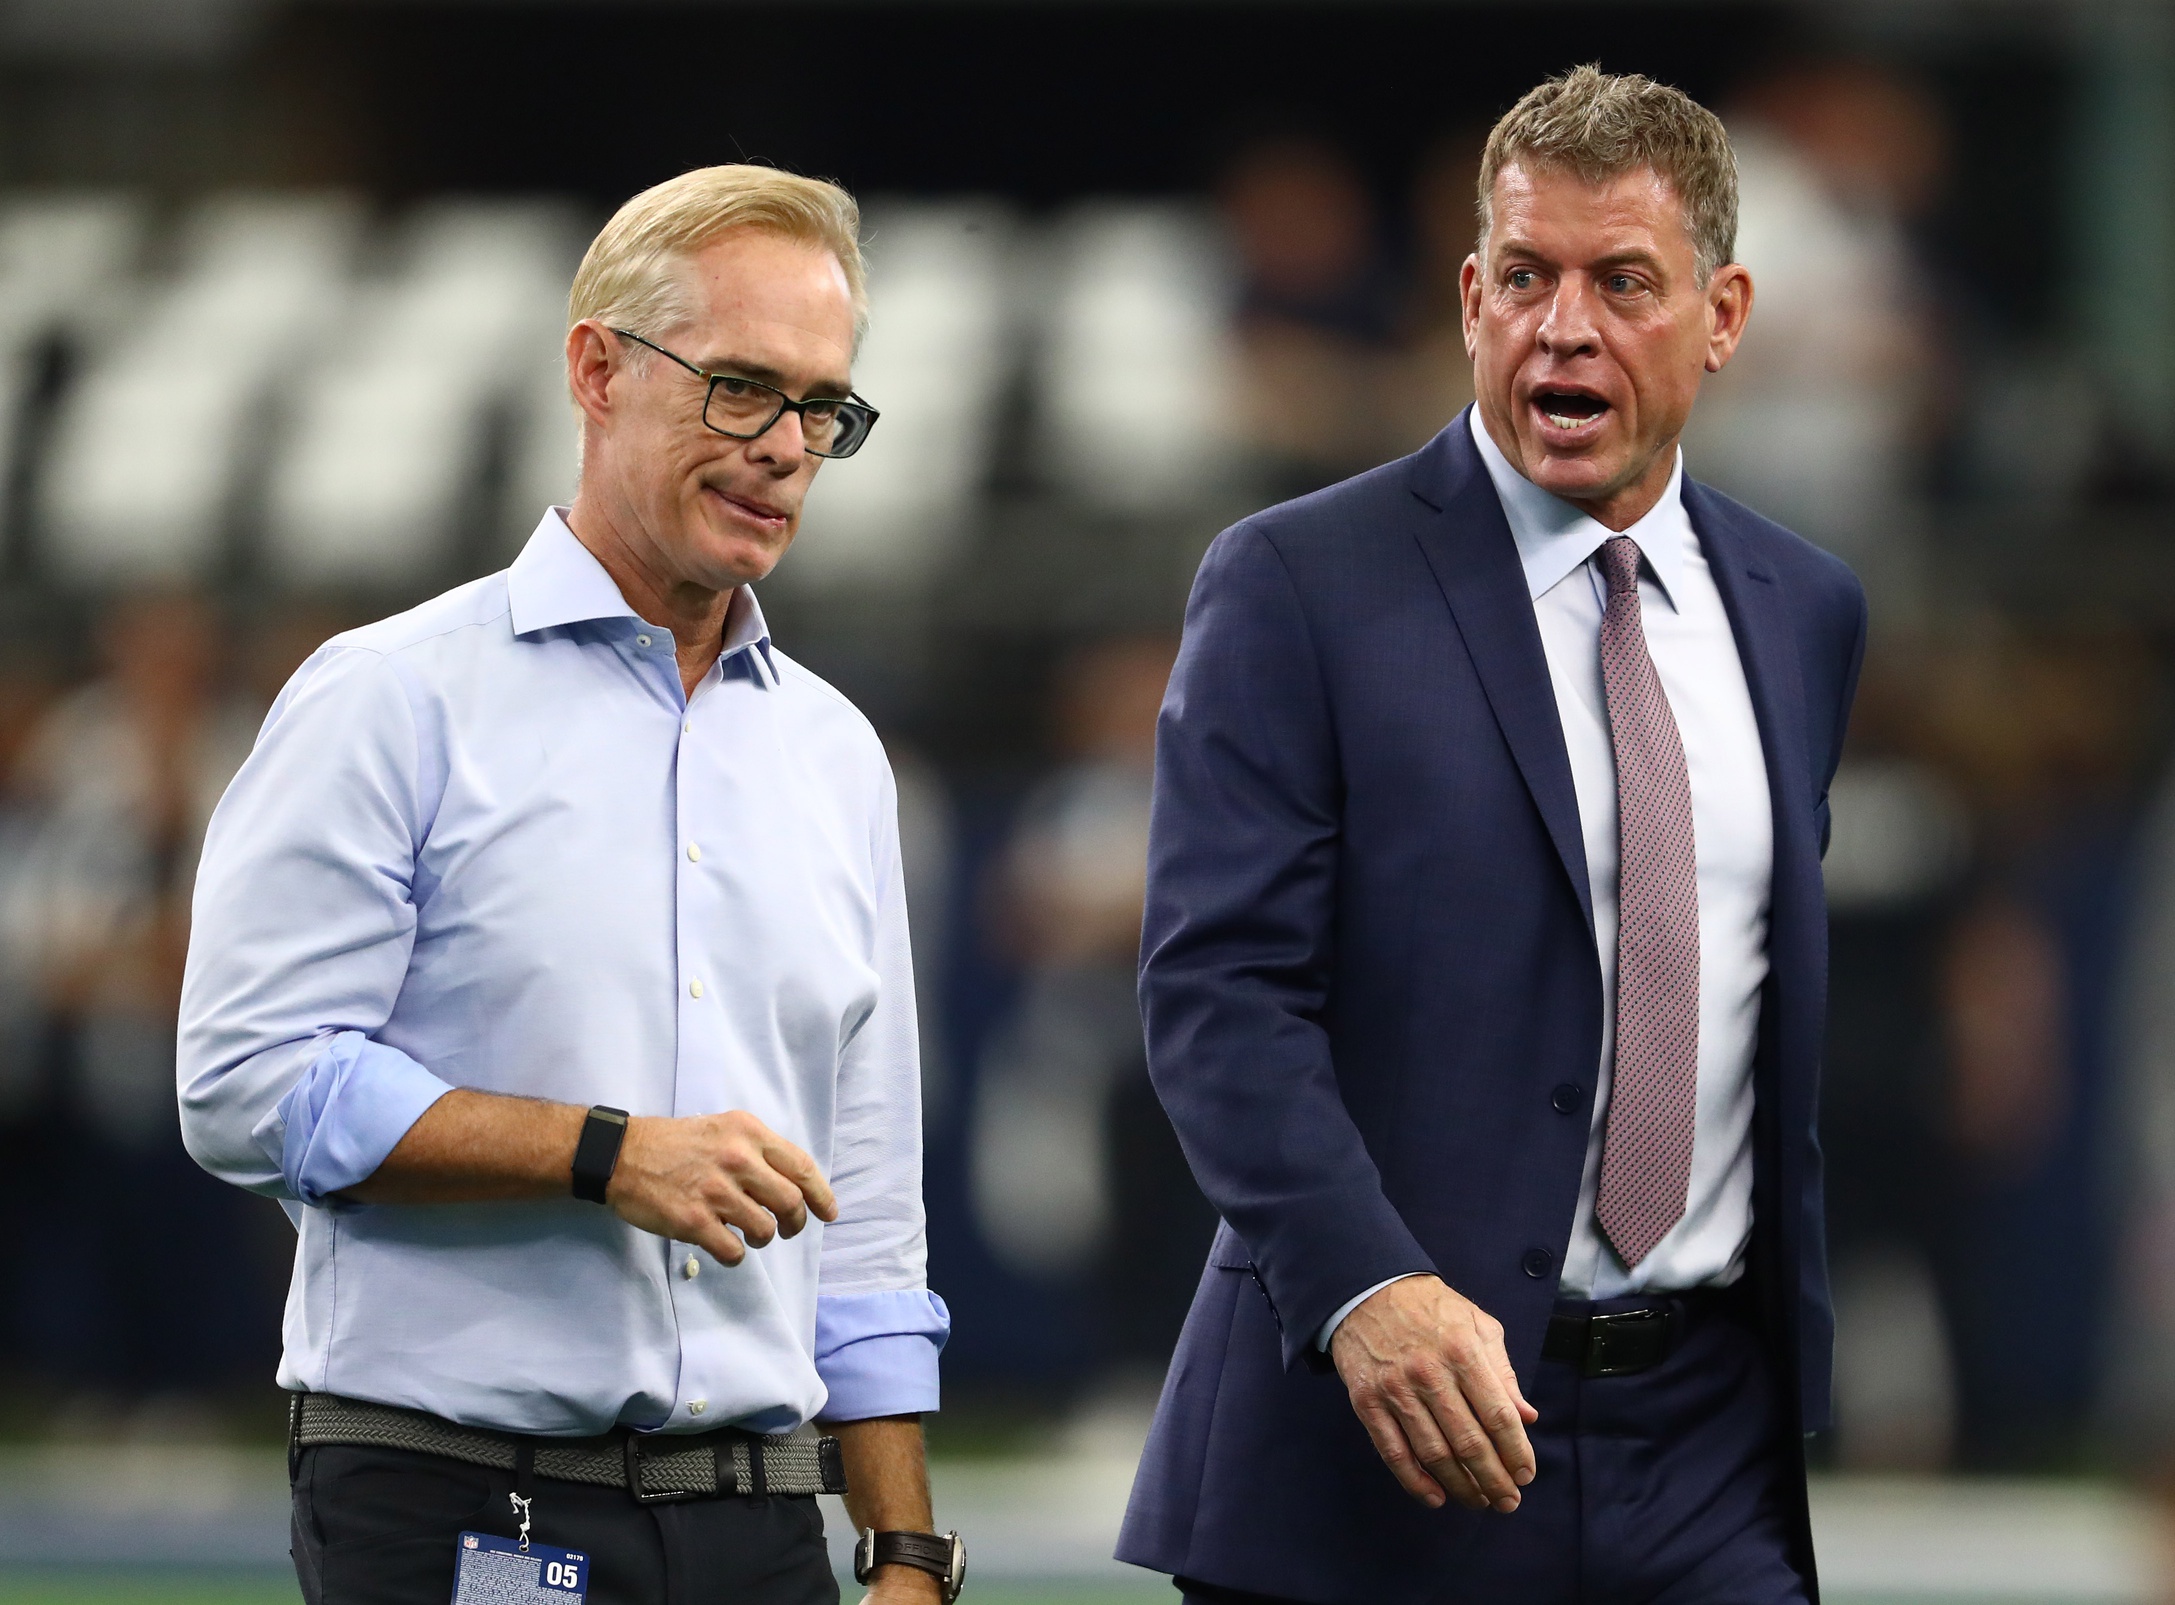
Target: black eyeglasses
831,426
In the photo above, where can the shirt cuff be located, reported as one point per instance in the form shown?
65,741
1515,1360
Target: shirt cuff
352,1106
877,1352
1329,1327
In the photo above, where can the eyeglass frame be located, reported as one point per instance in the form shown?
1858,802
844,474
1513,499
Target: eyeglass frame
786,403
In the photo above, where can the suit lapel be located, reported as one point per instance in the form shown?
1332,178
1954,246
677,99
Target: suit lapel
1468,545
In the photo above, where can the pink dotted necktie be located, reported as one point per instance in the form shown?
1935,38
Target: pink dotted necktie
1646,1158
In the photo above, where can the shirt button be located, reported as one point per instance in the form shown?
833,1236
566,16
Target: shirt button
641,640
1566,1097
694,853
695,1407
692,1269
694,988
1537,1262
688,728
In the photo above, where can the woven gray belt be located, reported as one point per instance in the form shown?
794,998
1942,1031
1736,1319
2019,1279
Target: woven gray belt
654,1467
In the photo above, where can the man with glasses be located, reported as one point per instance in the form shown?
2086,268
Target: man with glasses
550,966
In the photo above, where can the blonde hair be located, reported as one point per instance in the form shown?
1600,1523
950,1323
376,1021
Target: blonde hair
633,276
1603,125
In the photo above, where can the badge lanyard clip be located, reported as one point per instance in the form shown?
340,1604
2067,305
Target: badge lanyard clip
523,1496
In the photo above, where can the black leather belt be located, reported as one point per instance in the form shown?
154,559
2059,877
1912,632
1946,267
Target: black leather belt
656,1468
1623,1343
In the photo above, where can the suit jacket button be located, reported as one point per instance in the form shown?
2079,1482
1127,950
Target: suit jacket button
1537,1262
1567,1097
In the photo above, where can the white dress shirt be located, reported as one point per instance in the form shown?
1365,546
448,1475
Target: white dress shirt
1688,636
492,843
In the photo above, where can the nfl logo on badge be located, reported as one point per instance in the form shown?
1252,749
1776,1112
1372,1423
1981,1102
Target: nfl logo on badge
469,1539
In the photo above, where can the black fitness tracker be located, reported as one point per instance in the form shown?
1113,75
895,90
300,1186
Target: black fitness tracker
598,1152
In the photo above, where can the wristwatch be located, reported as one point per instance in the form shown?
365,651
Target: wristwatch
943,1558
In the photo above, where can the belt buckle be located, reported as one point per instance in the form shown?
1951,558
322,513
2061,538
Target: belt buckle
1613,1348
643,1496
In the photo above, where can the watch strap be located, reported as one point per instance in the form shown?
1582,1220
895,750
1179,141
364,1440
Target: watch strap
596,1153
937,1554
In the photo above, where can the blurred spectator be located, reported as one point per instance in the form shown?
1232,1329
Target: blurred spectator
1822,420
1900,841
28,683
2140,1396
2043,734
143,1280
1979,887
1319,314
1435,376
1076,1172
281,642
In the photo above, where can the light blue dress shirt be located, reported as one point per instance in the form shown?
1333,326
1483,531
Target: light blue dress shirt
490,843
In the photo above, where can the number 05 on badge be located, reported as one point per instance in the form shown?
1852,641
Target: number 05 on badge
499,1571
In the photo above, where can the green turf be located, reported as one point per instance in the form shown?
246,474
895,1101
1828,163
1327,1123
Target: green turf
147,1587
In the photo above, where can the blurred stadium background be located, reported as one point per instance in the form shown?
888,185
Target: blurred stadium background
281,287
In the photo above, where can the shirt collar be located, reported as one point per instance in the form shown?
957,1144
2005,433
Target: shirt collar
557,580
1554,537
745,628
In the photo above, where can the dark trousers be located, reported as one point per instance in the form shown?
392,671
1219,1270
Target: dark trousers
1663,1488
378,1526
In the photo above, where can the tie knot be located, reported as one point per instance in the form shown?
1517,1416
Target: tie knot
1620,564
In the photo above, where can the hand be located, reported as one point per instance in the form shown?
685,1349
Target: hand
1430,1380
690,1179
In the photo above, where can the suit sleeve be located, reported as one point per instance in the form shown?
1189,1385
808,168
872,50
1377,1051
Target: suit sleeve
1816,1321
1846,694
1237,945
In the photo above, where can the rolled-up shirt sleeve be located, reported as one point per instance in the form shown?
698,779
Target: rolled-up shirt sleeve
336,1125
877,1352
878,1327
303,924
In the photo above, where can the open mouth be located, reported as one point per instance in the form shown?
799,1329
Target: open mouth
1570,409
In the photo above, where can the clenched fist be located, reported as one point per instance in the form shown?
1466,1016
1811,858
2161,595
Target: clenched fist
688,1179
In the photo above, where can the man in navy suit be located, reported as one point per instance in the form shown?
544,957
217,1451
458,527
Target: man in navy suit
1485,956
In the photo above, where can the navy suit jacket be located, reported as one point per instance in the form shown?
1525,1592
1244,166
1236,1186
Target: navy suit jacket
1373,996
